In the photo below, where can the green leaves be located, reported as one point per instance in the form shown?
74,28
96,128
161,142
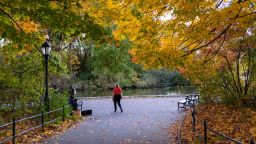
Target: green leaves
111,59
56,63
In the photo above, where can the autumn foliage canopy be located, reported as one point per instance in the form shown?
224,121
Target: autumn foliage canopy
212,43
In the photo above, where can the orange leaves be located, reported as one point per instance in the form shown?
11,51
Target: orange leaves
236,123
118,35
134,60
181,70
29,26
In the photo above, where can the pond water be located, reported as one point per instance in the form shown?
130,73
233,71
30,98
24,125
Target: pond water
168,91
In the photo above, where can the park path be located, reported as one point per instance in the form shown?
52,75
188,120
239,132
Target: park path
144,120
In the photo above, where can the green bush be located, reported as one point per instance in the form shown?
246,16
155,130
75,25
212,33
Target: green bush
58,100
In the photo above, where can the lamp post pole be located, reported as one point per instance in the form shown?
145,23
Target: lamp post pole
46,98
46,49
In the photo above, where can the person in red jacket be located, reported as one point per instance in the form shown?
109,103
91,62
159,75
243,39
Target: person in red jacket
117,96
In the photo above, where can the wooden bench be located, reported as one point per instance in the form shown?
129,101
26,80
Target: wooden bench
189,100
193,99
182,103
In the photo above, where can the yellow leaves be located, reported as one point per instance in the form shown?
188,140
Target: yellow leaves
29,26
111,5
48,132
104,12
109,13
54,5
125,29
85,5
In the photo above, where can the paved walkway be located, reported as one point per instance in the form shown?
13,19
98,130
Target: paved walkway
144,120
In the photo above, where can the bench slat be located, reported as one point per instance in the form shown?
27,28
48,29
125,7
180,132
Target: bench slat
182,101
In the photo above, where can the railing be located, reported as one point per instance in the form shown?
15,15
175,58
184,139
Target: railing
207,129
179,131
42,125
218,133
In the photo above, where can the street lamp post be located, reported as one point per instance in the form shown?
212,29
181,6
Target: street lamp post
46,49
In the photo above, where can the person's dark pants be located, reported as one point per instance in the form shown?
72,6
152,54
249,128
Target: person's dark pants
117,99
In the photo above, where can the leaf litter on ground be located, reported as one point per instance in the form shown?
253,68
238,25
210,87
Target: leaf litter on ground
237,123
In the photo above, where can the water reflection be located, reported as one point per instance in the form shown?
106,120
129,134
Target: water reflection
169,91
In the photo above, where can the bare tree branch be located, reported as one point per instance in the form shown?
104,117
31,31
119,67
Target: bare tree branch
11,19
219,3
207,60
213,40
247,14
232,73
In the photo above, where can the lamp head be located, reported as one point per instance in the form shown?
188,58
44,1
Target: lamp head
46,48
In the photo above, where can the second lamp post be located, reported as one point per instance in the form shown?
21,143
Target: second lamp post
46,49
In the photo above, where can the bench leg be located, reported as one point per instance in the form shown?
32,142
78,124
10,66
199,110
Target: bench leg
183,105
